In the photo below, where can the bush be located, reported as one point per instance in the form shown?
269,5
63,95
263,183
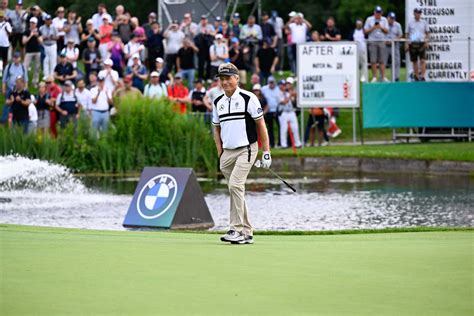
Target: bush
145,132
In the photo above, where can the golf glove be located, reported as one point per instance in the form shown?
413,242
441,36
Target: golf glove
266,160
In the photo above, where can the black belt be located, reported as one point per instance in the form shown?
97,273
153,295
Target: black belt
103,111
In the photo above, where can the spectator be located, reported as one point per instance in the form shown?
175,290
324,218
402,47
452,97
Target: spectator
53,91
287,117
137,72
225,29
11,72
254,79
91,58
174,41
218,25
271,92
100,103
278,26
50,36
132,48
67,105
257,90
185,61
331,32
32,40
43,107
72,28
92,80
32,117
219,53
98,18
316,119
266,61
154,44
188,27
236,55
35,12
376,27
5,31
358,36
90,32
64,70
203,42
179,94
251,34
127,91
155,89
58,23
315,36
268,31
119,10
19,100
138,31
197,100
235,25
417,34
215,90
123,27
116,48
165,75
394,33
110,76
297,27
105,32
148,26
17,20
71,52
83,95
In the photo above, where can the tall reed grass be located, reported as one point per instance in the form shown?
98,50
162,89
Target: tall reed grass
145,132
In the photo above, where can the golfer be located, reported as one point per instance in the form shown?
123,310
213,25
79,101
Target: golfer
238,119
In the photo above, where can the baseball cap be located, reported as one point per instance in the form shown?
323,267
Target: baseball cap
152,14
292,14
91,39
100,77
177,76
378,9
236,15
154,74
282,81
63,54
19,2
198,81
16,55
108,62
47,17
290,80
219,36
392,15
70,40
89,21
271,79
175,22
218,18
417,10
159,60
135,56
34,20
68,83
234,40
203,17
227,69
257,86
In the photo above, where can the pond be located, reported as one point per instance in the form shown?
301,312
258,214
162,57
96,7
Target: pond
34,192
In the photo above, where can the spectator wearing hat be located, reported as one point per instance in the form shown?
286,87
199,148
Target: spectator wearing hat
91,58
17,20
155,89
111,76
287,117
90,32
197,101
185,61
58,22
50,36
266,61
71,52
236,55
278,26
67,105
417,34
250,35
127,91
5,31
165,75
137,72
188,27
154,44
235,25
64,70
331,33
271,92
105,32
218,24
35,12
152,18
19,100
174,41
98,18
53,91
219,53
11,72
268,31
358,36
376,27
101,100
203,40
132,48
257,90
297,27
395,33
178,93
32,40
72,28
116,48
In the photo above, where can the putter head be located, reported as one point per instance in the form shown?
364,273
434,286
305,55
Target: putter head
258,163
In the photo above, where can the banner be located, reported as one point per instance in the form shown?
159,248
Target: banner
451,22
328,75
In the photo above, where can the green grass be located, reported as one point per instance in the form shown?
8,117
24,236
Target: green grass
48,271
433,151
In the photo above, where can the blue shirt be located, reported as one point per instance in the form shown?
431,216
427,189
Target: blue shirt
11,72
136,81
272,96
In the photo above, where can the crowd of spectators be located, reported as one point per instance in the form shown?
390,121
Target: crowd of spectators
85,66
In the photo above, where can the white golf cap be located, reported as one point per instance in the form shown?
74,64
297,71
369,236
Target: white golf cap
292,14
219,35
108,62
159,60
290,80
34,20
154,74
135,56
257,86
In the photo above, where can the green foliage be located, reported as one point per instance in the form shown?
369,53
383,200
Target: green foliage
145,133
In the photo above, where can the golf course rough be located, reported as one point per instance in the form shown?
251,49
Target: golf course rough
51,271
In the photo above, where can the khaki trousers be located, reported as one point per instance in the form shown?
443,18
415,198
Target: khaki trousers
235,165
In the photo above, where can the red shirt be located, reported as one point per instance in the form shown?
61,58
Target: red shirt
54,90
107,31
181,92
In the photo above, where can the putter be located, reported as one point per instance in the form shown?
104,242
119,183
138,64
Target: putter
258,164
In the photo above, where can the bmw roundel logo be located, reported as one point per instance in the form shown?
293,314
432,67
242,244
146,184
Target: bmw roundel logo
157,196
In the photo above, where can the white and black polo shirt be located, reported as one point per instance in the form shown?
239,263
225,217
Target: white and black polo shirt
236,116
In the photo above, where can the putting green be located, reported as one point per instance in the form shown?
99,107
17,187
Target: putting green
47,271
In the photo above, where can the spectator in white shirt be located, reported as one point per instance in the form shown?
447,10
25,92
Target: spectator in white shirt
219,53
32,117
133,47
174,41
155,88
376,27
101,98
58,23
71,52
50,35
110,76
359,37
83,95
298,27
98,17
5,31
